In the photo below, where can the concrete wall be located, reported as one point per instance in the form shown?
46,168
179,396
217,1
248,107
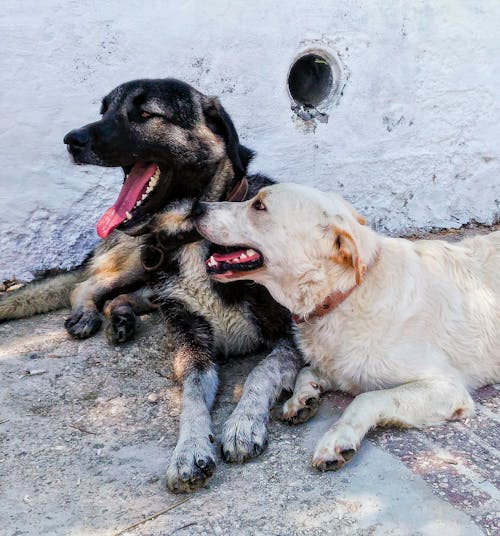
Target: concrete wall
413,140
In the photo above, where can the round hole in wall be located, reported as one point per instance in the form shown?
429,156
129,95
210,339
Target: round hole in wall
310,80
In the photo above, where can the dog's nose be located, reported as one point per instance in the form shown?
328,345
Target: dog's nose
199,208
78,137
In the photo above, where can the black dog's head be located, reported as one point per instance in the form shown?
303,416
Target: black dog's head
168,138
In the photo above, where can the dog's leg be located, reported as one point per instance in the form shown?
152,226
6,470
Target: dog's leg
193,459
115,264
120,314
244,434
85,319
304,402
421,403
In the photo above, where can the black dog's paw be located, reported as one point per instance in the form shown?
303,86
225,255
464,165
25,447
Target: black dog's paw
243,437
83,323
191,466
120,326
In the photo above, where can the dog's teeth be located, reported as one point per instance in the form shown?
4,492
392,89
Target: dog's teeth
250,252
128,215
144,197
149,189
243,256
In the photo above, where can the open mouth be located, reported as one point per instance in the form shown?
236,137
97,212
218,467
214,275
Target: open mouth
140,183
226,265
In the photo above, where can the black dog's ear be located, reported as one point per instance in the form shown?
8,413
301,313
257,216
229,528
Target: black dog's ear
219,122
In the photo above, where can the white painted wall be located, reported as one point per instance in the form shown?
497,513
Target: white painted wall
413,142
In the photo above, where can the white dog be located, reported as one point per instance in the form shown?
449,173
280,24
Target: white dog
408,327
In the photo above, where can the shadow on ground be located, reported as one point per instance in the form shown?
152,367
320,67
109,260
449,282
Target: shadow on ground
84,448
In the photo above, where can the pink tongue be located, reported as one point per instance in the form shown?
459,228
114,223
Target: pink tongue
130,192
221,257
234,256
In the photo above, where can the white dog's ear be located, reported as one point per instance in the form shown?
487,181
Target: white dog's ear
339,199
357,215
345,251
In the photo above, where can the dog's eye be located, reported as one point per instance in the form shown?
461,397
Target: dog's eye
258,205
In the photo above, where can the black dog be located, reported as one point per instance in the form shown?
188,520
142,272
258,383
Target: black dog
177,146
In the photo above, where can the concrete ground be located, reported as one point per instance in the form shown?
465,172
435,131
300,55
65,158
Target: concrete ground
84,449
86,431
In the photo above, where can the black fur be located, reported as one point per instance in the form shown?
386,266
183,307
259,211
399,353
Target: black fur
123,137
188,328
219,122
170,136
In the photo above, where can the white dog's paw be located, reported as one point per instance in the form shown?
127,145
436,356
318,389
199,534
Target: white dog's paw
300,408
244,436
335,448
191,465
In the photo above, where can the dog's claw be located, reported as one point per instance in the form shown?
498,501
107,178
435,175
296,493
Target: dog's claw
329,465
258,448
208,465
348,454
83,323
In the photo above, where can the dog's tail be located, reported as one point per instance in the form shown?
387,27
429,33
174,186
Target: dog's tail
40,296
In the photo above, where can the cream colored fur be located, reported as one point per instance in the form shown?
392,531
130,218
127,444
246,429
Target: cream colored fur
414,337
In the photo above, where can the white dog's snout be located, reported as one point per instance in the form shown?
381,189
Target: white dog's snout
217,221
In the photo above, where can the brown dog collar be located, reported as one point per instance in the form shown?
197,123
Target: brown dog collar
239,192
332,301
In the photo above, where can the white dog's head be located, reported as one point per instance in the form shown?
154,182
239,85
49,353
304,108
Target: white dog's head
299,242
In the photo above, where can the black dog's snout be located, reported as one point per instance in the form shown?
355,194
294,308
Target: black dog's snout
77,138
199,208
